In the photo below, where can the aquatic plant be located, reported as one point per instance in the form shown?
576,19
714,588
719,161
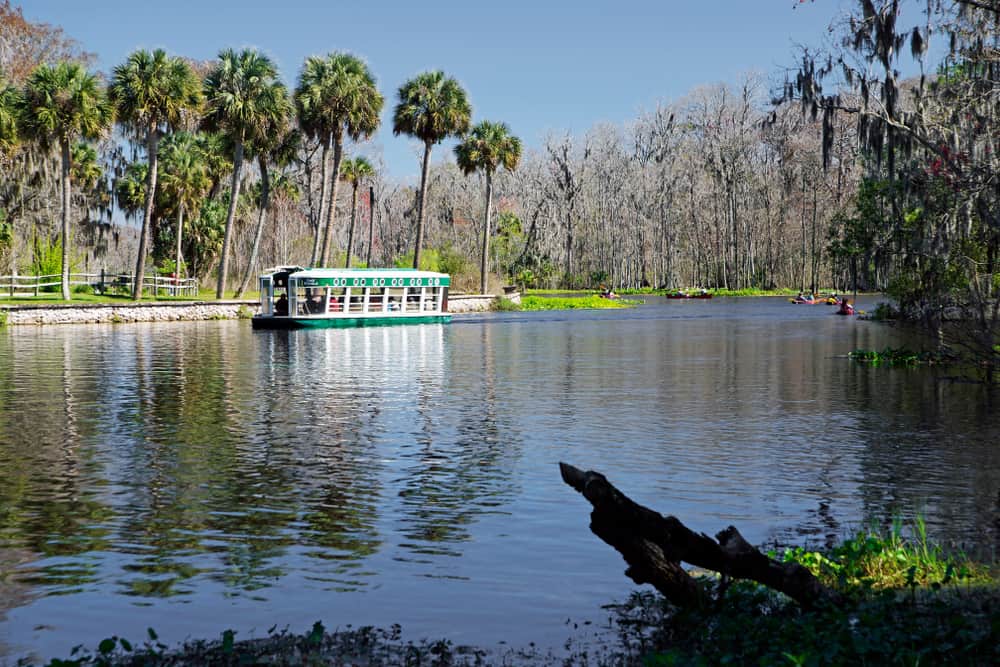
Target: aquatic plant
892,357
572,303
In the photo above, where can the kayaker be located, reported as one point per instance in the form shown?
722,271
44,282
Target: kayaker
846,308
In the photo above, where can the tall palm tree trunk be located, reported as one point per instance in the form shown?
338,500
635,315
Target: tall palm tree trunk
350,228
338,156
484,264
371,226
66,203
180,235
324,173
265,196
234,195
152,149
420,205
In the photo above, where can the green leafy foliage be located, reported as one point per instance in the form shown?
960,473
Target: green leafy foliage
572,303
892,357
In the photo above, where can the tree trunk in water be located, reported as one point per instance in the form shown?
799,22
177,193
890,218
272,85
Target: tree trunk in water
265,196
324,172
152,150
484,265
420,205
180,236
66,203
350,228
227,238
654,546
371,225
338,155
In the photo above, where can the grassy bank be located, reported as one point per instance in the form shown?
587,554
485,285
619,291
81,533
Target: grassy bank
907,603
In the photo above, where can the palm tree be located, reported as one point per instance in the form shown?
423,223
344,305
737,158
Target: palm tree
86,169
186,181
130,189
152,92
488,146
278,146
336,94
63,103
354,172
10,99
216,152
243,98
431,108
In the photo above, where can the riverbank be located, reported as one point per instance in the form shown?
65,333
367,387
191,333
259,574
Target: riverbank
905,602
120,311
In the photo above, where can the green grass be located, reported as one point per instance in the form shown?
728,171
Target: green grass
573,303
908,603
537,290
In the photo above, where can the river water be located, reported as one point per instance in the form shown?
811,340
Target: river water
194,477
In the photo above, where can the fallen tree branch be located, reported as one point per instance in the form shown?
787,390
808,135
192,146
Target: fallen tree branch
654,546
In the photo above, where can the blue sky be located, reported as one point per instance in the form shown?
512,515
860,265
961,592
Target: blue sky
540,66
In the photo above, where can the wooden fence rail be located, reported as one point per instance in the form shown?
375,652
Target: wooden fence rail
102,283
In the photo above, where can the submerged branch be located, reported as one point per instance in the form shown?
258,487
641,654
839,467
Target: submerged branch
654,546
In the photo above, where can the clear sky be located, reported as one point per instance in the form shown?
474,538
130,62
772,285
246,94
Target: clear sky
541,66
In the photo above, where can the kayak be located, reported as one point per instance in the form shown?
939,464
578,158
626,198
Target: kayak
684,295
816,302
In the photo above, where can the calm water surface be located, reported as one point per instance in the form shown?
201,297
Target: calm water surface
195,477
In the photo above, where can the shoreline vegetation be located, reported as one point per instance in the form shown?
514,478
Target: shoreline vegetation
907,601
532,300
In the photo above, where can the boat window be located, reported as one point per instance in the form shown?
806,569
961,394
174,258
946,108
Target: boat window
376,299
356,300
310,300
266,294
336,299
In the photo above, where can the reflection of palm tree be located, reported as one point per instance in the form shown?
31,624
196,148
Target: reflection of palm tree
456,478
432,107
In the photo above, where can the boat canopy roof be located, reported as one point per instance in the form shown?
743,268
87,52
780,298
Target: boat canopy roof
364,277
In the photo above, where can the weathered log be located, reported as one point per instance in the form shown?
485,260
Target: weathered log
654,546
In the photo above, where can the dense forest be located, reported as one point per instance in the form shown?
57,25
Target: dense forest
846,174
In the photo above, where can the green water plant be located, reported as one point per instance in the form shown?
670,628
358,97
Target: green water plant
892,357
573,303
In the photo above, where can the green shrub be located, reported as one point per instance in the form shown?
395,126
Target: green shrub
503,304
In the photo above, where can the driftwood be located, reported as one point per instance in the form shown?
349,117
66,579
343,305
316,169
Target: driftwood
654,546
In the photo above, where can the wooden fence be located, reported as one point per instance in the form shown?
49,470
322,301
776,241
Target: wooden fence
101,283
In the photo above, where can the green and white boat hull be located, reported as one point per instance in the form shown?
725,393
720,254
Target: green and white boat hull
281,322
